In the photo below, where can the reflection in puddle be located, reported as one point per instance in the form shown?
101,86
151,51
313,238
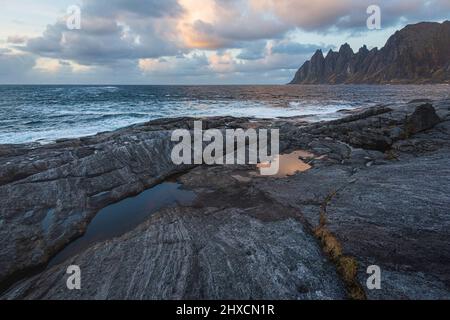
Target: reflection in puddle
121,217
290,164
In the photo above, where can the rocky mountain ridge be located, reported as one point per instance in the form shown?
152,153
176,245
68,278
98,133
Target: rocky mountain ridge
418,53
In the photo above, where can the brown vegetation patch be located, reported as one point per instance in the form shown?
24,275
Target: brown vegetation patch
347,266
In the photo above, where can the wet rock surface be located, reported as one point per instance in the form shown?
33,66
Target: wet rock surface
220,248
49,193
382,193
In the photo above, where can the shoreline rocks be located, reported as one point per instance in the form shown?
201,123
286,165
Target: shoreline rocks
390,209
50,193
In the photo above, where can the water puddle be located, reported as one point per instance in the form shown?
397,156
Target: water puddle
123,216
290,164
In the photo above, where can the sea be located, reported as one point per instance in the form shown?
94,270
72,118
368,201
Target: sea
44,113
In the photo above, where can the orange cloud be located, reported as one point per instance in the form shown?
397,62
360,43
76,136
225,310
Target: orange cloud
214,24
47,65
195,12
304,13
224,63
150,65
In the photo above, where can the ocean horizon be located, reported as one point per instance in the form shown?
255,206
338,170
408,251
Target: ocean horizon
45,113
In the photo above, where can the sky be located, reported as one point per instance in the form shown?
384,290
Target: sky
188,41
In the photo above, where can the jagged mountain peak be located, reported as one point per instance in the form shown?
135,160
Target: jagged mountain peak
363,49
318,54
345,48
419,53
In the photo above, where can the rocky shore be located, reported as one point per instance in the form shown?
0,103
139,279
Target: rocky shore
377,193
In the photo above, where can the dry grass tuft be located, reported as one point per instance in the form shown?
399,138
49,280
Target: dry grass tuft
347,267
330,244
390,155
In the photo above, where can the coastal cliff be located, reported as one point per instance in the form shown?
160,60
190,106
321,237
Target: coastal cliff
418,53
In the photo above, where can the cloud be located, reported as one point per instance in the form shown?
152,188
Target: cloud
218,24
293,48
13,67
142,8
138,40
226,23
331,15
48,65
253,50
112,30
195,64
17,39
305,14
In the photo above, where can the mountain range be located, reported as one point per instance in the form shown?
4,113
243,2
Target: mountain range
418,53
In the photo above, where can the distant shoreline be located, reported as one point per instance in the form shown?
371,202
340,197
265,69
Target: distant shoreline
47,113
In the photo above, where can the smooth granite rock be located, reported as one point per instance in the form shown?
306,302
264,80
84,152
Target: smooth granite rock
50,193
175,258
385,196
